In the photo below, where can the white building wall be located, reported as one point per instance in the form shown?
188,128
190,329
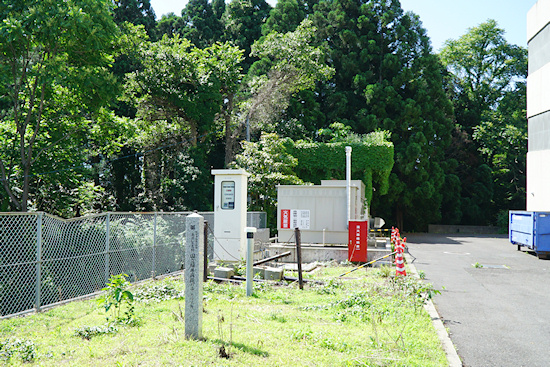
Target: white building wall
538,107
538,181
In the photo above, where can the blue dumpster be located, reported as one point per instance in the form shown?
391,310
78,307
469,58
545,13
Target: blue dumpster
530,229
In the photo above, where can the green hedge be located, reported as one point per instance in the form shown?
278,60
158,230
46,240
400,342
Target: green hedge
371,161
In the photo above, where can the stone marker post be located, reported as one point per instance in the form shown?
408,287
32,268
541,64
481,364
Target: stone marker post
194,224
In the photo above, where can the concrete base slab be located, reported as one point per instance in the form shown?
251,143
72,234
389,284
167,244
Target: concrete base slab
258,272
274,273
315,252
224,272
212,267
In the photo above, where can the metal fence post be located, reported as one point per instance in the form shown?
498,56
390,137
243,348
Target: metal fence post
107,246
205,275
38,284
154,245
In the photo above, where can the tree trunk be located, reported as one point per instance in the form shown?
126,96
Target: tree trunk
151,175
399,217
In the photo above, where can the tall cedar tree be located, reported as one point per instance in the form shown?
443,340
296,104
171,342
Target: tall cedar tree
137,12
201,25
243,20
387,78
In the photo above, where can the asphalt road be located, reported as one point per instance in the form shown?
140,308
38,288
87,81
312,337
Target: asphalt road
498,314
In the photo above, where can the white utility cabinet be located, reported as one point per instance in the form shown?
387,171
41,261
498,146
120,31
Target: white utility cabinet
320,211
230,204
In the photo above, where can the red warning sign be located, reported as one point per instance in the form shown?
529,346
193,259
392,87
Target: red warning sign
285,218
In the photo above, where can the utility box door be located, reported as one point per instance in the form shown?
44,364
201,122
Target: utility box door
357,241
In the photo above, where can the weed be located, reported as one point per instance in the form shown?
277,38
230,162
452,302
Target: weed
385,271
240,268
277,317
25,349
330,343
421,274
222,352
158,292
415,290
330,287
478,265
355,300
117,297
88,332
179,316
227,289
301,334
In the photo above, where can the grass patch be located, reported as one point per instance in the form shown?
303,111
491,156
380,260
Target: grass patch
368,320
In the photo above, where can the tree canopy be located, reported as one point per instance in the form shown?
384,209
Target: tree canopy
487,78
102,107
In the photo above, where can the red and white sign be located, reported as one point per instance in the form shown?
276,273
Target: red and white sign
285,218
295,218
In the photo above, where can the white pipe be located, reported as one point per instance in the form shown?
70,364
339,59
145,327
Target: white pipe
348,182
249,260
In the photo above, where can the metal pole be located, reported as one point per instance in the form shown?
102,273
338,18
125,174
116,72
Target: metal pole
205,276
369,263
299,256
38,284
154,246
107,245
250,260
348,182
275,257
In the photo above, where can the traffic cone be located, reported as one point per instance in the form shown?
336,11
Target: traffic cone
399,260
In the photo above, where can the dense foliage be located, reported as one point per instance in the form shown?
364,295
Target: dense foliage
103,107
274,161
487,84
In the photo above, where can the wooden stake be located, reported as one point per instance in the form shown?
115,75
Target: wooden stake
299,256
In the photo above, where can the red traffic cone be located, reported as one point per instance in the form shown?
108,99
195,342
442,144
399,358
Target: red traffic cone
399,260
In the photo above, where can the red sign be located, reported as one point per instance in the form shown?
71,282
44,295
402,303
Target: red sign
285,218
357,245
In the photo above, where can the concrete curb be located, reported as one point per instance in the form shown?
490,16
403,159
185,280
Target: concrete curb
452,356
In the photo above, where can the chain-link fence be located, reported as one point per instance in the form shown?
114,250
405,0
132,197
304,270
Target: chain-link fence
45,260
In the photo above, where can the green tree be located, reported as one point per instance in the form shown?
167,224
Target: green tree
137,12
180,93
54,76
218,7
387,78
502,140
201,25
285,16
269,164
293,64
243,21
484,66
178,86
170,25
486,71
289,63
